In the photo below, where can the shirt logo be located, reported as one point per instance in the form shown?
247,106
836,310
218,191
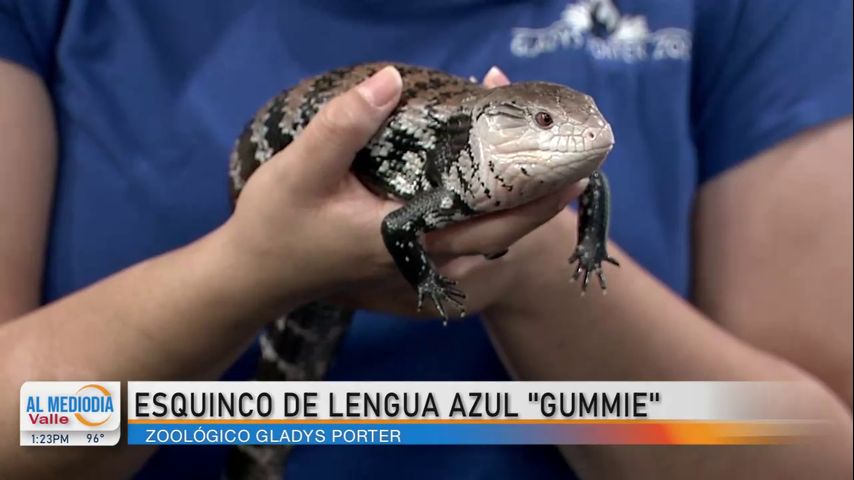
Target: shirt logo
600,29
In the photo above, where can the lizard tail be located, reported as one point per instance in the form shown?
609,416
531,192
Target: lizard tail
298,346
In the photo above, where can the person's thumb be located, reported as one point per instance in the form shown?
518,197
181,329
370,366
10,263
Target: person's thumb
327,146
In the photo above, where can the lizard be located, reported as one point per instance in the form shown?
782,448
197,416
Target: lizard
451,149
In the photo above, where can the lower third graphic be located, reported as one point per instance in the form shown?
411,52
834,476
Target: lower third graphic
70,413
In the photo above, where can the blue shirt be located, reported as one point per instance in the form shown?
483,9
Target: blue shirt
149,96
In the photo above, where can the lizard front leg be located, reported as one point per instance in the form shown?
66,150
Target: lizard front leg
594,210
401,230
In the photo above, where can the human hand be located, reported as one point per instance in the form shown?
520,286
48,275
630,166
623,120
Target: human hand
458,252
304,227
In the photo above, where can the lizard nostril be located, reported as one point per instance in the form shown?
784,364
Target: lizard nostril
601,138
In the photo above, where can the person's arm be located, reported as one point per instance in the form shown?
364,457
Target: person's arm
28,141
773,253
185,314
774,293
188,313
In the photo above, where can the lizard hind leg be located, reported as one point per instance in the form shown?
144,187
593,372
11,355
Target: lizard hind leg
401,230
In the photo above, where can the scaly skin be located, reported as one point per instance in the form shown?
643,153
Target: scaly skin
450,150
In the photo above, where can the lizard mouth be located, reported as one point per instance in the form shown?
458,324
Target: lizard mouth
600,149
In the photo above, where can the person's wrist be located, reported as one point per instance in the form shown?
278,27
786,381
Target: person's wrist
544,252
255,282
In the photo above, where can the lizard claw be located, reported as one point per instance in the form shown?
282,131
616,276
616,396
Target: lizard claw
441,290
590,261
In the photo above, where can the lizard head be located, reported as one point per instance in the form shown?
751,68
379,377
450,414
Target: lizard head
535,137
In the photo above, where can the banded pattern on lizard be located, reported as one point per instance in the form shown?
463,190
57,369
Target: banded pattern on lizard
450,150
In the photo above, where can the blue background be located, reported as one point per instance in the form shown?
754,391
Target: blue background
150,95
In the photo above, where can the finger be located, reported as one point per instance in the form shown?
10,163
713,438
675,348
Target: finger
497,231
341,128
495,78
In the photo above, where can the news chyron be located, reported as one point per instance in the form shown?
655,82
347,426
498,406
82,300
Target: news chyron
416,413
71,413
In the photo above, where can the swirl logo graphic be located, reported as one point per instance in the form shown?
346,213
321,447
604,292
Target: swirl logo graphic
99,409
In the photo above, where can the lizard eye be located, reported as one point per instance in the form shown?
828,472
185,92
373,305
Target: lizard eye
543,119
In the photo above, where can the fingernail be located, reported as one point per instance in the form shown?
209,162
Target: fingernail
495,77
382,87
